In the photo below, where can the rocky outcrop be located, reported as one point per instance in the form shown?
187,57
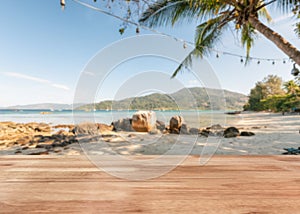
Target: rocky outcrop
247,134
194,131
144,121
41,138
86,129
92,129
231,132
215,130
205,133
160,125
33,138
216,127
122,125
184,129
219,131
175,124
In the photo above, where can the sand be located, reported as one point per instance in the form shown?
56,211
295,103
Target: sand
273,132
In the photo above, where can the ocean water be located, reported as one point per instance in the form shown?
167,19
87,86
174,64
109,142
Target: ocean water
192,118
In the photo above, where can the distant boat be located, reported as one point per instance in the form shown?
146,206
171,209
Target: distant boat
233,112
45,112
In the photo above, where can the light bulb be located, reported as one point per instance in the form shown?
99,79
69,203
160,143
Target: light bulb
295,71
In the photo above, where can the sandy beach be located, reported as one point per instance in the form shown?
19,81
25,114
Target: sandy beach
273,132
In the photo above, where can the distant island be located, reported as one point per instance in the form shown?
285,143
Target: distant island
156,101
181,98
44,106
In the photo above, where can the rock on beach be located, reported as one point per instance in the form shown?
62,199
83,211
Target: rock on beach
144,121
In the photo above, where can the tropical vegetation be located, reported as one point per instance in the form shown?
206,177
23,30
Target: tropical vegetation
272,94
216,16
213,18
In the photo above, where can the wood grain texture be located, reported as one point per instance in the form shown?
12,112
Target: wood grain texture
227,184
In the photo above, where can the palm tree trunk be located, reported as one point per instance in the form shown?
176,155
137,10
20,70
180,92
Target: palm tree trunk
277,39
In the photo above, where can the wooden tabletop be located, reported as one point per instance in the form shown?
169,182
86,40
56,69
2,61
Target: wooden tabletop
227,184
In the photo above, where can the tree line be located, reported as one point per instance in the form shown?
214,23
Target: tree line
272,94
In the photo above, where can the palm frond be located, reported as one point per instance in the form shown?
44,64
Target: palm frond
165,12
297,29
247,39
207,34
186,62
284,5
265,13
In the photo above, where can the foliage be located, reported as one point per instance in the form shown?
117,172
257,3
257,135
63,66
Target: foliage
296,11
215,17
272,94
184,99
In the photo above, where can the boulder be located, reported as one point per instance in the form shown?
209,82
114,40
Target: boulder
123,125
184,129
160,125
231,132
205,132
103,128
86,129
247,134
143,121
216,127
175,124
194,131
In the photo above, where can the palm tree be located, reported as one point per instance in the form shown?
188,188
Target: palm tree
218,15
291,87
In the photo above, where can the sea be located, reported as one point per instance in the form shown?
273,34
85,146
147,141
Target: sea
193,118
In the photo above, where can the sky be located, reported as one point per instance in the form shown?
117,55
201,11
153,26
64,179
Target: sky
44,51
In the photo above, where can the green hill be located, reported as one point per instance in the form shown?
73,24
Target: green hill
184,99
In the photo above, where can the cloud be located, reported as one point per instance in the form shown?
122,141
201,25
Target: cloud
27,77
35,79
61,86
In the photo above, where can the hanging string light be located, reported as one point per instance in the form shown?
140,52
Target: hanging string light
218,52
62,4
295,71
137,30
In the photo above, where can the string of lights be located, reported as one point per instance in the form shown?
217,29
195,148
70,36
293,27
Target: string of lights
218,53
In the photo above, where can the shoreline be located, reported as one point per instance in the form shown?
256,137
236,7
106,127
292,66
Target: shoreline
273,132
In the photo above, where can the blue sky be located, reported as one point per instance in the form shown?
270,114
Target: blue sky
44,50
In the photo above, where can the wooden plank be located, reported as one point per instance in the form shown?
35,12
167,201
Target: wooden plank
227,184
